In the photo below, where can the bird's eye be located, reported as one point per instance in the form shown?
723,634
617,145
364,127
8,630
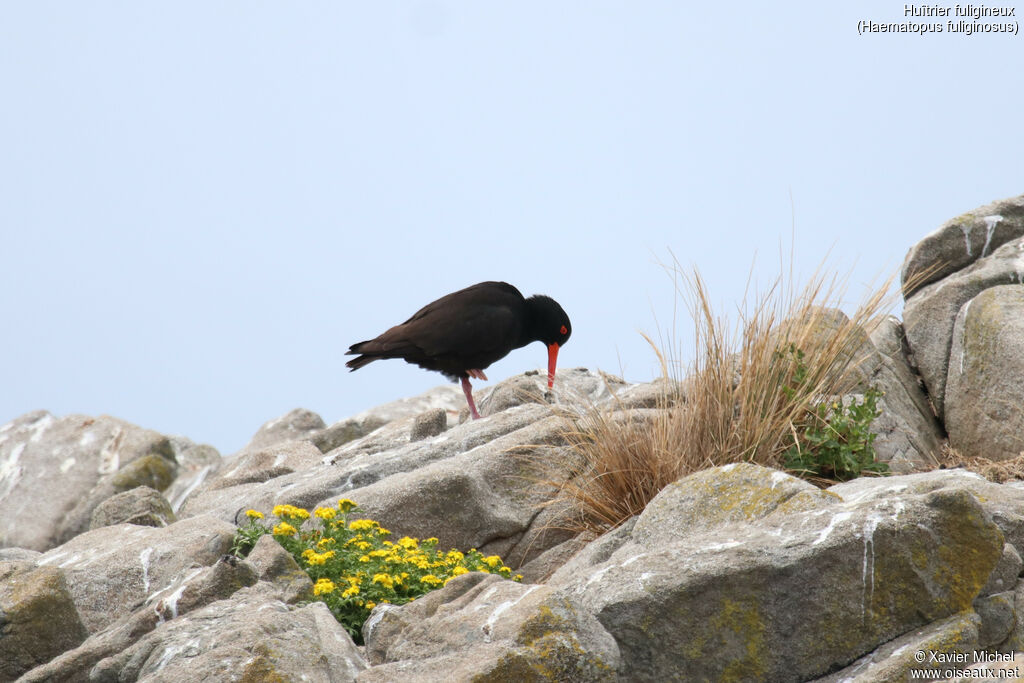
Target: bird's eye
563,330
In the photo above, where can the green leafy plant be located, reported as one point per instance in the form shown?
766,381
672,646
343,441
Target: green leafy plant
354,566
834,441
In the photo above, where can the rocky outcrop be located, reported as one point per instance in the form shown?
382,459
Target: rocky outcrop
955,351
930,315
781,580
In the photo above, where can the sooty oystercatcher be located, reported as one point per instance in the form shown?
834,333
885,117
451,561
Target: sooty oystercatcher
462,333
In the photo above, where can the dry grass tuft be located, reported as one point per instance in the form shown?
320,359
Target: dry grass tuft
729,404
999,471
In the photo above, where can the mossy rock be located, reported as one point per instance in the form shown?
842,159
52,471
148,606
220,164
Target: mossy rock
152,470
38,619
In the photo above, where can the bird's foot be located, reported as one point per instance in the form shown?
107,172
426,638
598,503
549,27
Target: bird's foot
477,374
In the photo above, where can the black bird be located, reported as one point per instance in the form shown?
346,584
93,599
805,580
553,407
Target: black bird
462,333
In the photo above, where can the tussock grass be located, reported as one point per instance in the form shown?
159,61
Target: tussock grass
728,404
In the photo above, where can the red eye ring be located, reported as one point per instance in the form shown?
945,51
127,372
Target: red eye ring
563,330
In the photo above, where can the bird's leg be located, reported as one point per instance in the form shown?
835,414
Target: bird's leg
468,390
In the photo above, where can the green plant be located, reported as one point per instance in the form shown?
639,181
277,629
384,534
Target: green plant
835,442
352,564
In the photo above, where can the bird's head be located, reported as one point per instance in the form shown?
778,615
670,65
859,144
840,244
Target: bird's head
550,325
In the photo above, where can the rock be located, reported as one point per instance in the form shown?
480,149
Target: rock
298,425
575,386
276,566
896,659
340,433
985,384
378,456
264,464
662,392
1015,640
75,665
195,463
482,627
18,555
89,453
1004,577
199,588
781,582
152,470
447,397
930,314
430,423
38,619
961,241
113,569
1004,502
908,436
540,568
141,505
252,636
496,488
997,618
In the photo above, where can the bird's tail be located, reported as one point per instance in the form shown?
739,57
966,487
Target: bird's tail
368,351
359,362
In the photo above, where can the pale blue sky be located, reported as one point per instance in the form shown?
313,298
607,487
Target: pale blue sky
202,205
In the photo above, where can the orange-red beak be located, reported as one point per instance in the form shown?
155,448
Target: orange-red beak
552,359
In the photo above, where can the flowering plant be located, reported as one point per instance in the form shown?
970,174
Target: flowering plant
353,564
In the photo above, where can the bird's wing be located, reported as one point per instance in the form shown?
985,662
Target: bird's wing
479,329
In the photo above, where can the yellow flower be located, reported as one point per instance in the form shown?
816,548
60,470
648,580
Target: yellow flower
362,545
345,505
290,511
430,580
458,571
350,591
284,529
492,561
364,558
324,513
370,604
323,586
408,543
254,514
324,542
379,553
318,558
308,553
431,541
362,524
384,580
454,556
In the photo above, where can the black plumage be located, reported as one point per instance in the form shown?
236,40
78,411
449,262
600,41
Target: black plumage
462,333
